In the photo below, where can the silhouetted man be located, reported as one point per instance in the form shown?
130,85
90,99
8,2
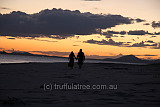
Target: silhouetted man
81,58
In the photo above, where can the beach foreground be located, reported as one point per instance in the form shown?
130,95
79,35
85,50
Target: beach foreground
29,84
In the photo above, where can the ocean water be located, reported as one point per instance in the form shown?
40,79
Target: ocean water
6,58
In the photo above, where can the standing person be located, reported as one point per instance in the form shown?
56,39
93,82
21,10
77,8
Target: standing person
71,60
81,58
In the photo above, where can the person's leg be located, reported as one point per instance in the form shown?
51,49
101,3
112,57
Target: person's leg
72,65
80,63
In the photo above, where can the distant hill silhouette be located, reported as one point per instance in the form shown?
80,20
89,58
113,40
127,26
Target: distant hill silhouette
26,53
21,53
131,59
3,52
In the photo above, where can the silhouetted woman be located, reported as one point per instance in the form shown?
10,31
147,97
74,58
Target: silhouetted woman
71,60
81,58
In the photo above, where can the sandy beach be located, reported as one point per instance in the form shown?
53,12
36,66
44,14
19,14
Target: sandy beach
28,84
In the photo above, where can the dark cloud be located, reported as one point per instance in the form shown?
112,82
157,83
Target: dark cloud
57,22
129,42
5,8
75,45
150,41
114,32
114,36
124,44
142,44
11,38
133,39
146,24
139,20
134,32
61,36
109,34
104,42
142,32
122,36
123,32
157,33
155,24
153,36
137,32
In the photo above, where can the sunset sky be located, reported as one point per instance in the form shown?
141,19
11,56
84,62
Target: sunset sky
108,42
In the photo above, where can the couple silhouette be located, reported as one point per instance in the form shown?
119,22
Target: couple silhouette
80,57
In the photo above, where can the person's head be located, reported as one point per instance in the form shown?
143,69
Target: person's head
72,52
80,50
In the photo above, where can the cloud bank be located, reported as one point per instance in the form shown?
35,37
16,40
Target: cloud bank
104,42
131,32
57,21
142,44
148,43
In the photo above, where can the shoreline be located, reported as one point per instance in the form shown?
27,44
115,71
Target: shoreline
118,63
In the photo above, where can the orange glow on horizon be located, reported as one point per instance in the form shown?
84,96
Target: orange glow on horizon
66,45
